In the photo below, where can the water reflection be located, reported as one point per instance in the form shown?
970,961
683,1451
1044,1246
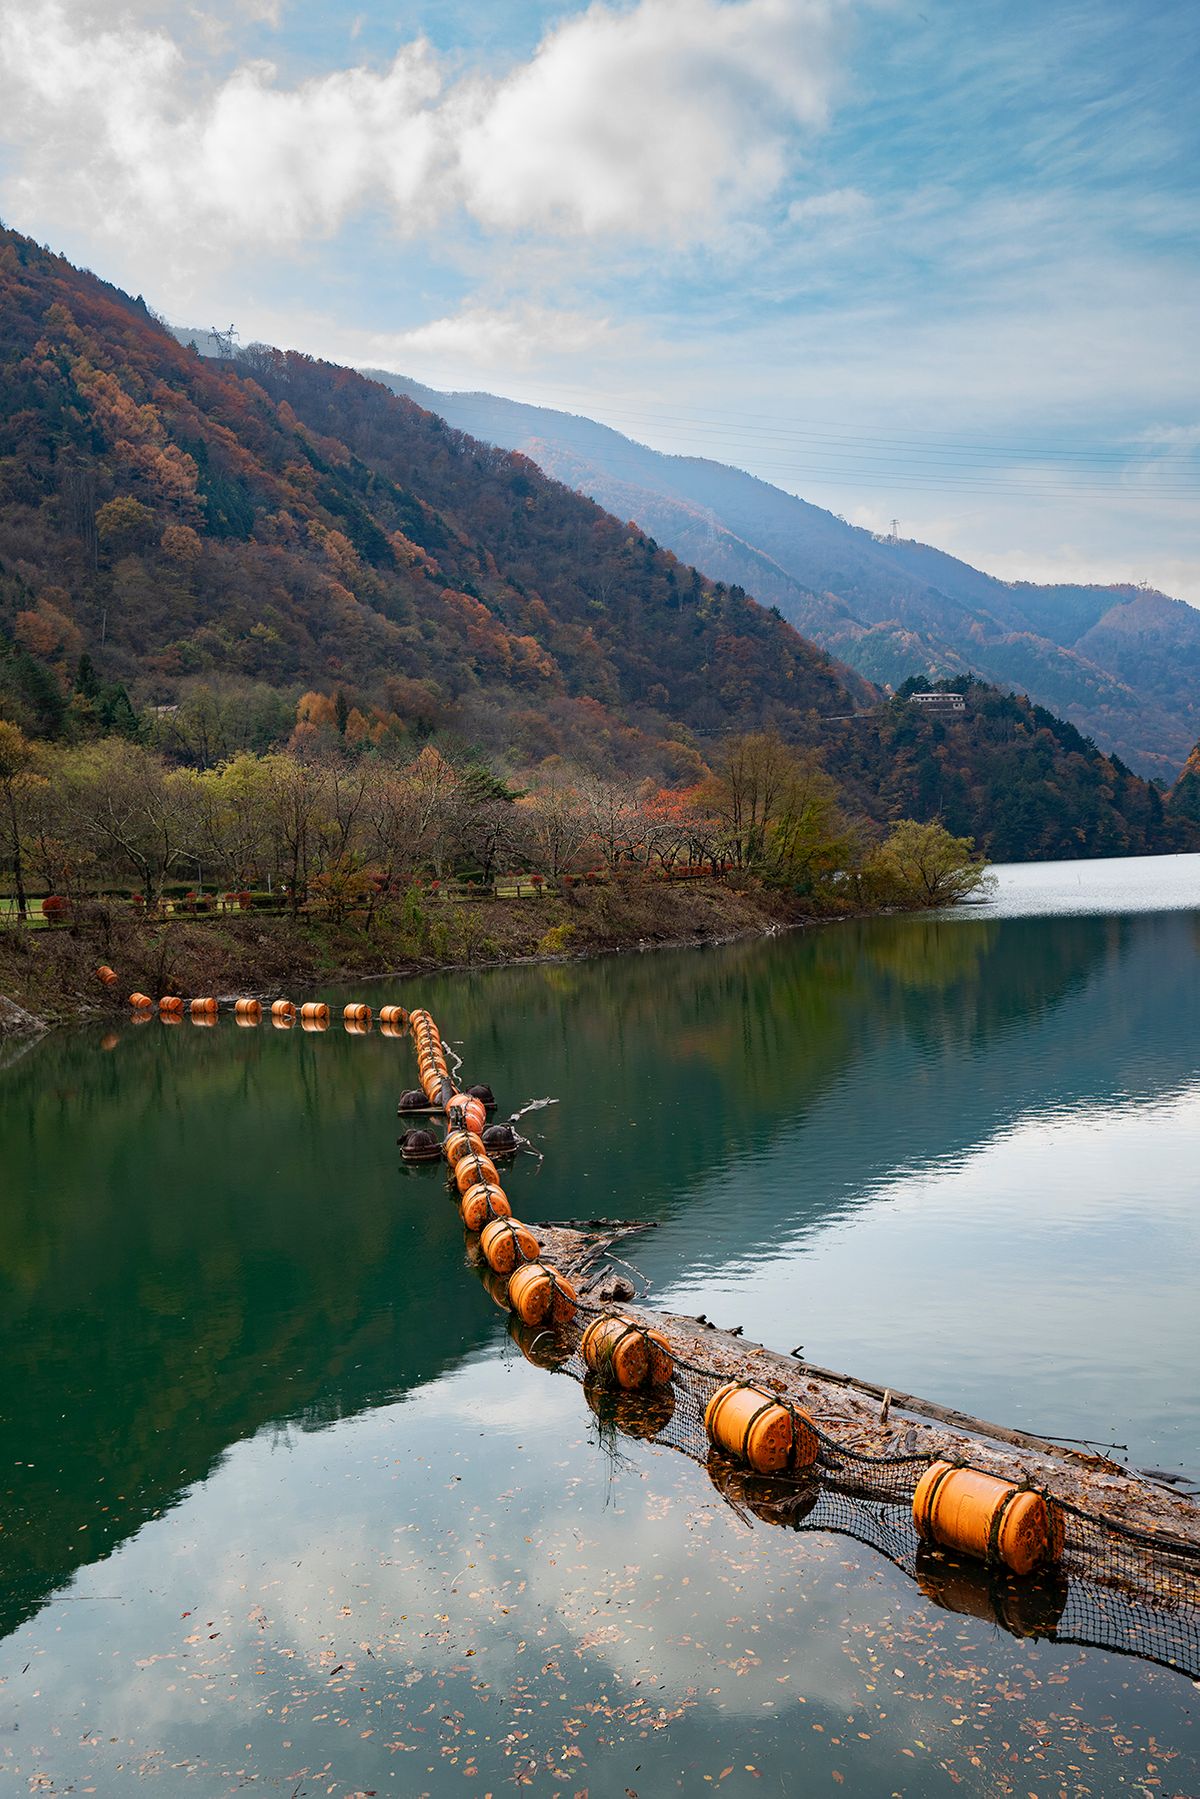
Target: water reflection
214,1272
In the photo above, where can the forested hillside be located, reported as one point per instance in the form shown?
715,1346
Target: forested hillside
1123,663
292,523
272,552
1027,785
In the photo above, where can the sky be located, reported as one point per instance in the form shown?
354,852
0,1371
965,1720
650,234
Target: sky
913,259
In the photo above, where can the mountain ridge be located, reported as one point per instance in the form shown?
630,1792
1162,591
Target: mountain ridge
1122,663
274,538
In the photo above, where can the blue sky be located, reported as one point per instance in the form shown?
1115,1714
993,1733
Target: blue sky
926,261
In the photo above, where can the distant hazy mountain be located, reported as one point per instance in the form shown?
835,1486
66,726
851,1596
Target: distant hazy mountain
1122,663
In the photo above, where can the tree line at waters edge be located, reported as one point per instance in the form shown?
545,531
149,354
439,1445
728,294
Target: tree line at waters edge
320,829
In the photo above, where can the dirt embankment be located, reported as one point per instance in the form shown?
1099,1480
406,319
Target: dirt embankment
48,976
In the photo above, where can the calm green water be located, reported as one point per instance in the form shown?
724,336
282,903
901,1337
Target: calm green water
284,1508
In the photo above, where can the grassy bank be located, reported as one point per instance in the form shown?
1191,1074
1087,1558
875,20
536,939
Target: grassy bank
50,974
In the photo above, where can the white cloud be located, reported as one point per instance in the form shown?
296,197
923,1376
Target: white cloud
658,119
494,338
839,204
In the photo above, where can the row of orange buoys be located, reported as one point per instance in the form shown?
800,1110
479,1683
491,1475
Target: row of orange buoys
312,1015
955,1507
536,1291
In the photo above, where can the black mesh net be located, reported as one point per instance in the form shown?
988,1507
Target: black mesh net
1114,1588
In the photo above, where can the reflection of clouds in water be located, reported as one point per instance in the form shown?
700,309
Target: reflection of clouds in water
338,1577
1108,885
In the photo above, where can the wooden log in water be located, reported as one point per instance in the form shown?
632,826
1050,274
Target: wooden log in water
848,1409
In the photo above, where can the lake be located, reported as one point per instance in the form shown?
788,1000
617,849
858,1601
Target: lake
285,1507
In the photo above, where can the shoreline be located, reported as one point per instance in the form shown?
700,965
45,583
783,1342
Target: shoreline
47,980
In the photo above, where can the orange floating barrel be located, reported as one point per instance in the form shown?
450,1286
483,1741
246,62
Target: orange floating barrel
282,1011
170,1006
203,1008
481,1203
980,1515
356,1014
506,1242
394,1015
141,1002
462,1143
626,1353
108,975
756,1425
539,1294
475,1167
247,1011
313,1012
472,1111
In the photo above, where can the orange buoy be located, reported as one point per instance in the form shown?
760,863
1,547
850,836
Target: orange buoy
472,1168
203,1008
356,1014
505,1242
394,1015
314,1012
170,1006
282,1010
141,1001
472,1111
247,1011
626,1353
762,1429
462,1143
539,1294
108,975
980,1515
482,1203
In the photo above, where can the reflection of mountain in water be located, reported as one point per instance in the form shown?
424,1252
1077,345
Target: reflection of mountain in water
200,1235
206,1232
966,1031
